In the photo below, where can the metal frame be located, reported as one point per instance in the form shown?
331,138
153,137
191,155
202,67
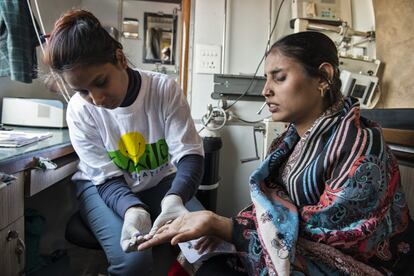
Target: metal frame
232,86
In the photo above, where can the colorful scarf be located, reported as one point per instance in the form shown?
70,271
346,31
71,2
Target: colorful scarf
356,225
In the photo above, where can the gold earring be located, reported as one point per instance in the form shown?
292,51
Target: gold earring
322,91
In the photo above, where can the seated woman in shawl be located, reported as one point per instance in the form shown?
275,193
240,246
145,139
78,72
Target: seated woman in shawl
327,200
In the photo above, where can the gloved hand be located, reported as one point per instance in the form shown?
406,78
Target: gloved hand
137,222
171,207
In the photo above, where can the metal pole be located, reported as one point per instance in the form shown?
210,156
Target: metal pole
224,42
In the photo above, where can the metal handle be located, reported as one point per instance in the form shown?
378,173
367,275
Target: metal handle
255,129
20,249
12,235
6,179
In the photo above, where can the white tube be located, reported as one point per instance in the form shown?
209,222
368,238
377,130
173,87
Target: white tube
261,108
59,81
224,39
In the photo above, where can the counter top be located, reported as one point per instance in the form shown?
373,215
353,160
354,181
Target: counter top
401,141
17,159
398,129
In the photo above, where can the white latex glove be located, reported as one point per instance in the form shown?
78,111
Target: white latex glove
171,207
137,222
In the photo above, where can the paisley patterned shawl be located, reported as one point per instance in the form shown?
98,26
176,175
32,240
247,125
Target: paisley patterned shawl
361,211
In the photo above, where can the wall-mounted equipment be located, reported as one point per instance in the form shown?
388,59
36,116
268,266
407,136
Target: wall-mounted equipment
231,87
332,16
361,87
343,29
331,10
130,28
37,112
362,65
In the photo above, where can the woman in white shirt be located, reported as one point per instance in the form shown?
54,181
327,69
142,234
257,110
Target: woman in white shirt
141,158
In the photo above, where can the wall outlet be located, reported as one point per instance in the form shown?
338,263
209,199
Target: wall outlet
208,59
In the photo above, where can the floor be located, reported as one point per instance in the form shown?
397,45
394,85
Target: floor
75,262
61,267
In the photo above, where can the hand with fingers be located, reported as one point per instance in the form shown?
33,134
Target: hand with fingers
137,222
191,226
171,207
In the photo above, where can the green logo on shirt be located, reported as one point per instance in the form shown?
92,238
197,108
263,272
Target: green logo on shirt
134,155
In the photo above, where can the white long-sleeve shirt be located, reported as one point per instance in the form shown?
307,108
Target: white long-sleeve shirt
142,141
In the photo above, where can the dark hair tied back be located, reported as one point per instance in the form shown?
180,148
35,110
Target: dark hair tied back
78,38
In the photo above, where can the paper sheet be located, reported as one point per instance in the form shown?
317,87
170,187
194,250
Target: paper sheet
13,139
193,256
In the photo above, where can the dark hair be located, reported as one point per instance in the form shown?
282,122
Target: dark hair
311,49
78,38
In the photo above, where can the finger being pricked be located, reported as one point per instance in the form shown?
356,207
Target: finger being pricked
157,239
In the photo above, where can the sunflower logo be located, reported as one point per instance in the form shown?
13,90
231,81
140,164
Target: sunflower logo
132,145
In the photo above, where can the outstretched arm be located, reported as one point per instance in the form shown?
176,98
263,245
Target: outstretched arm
183,187
192,226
